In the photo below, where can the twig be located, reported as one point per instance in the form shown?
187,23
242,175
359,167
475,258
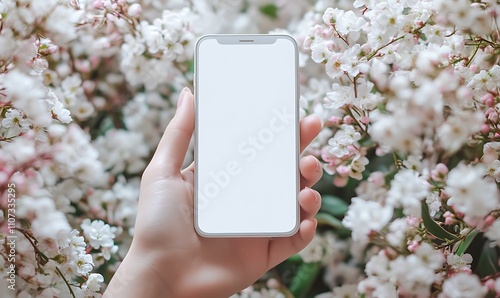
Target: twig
384,46
473,55
65,281
363,128
340,36
39,254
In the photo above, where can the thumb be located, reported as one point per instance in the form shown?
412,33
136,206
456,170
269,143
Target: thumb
174,143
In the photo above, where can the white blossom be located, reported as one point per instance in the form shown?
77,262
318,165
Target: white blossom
71,243
93,283
379,266
314,251
15,122
122,150
494,170
493,232
456,130
27,94
357,167
348,22
320,52
343,139
463,285
397,235
366,216
340,95
83,264
98,233
61,113
345,291
470,193
407,190
457,262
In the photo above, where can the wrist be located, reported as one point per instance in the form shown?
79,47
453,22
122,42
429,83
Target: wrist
149,273
137,276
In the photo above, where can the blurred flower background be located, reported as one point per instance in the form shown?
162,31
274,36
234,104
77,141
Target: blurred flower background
409,91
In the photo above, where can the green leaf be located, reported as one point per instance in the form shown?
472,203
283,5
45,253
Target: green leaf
464,244
327,219
304,279
488,261
78,280
191,66
295,259
433,227
333,205
398,213
389,176
270,10
286,291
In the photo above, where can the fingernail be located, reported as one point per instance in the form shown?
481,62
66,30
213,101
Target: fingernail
320,119
315,221
318,166
181,96
317,197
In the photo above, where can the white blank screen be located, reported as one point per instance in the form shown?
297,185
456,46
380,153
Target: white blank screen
246,163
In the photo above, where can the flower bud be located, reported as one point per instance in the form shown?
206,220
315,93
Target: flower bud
485,128
98,4
135,10
39,65
412,247
348,120
343,170
335,120
488,221
488,99
490,284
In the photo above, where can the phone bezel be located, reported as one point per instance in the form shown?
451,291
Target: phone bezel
247,39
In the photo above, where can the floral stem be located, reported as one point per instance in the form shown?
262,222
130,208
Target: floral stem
363,128
65,281
396,160
473,55
39,254
448,243
384,46
341,37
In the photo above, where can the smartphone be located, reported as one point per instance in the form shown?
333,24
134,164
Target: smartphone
246,136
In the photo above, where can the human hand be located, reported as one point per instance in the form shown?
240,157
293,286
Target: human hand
168,258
